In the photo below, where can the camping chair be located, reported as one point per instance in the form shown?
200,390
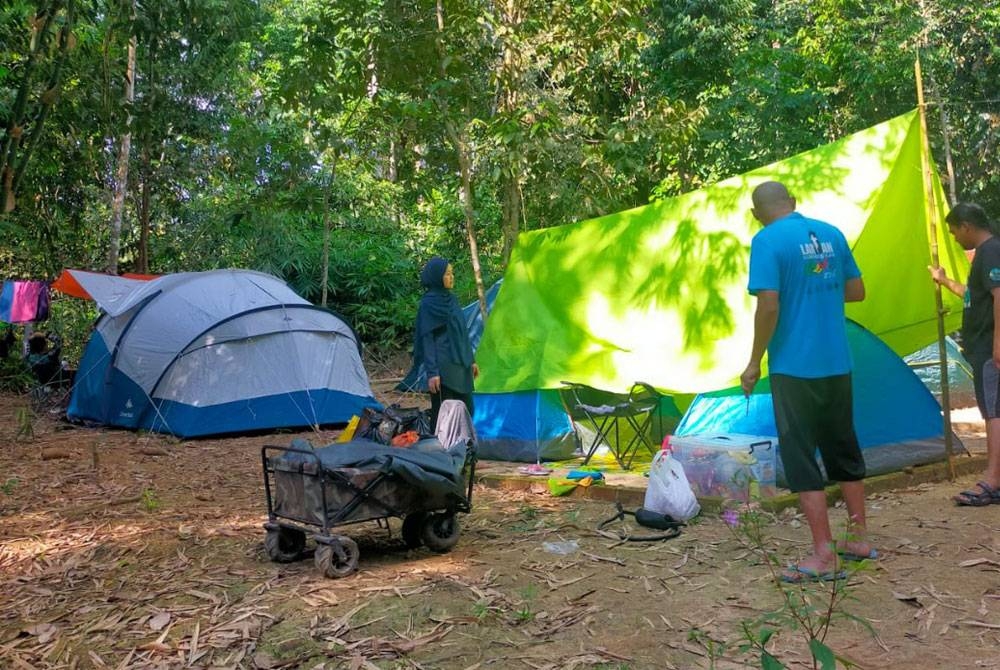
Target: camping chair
606,410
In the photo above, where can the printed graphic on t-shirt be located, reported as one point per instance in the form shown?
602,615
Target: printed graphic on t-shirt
994,274
816,256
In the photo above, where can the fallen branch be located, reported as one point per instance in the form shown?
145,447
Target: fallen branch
594,557
980,624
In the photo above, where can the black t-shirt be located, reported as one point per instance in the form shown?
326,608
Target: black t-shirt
977,317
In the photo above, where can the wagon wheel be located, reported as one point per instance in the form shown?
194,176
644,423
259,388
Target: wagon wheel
337,559
413,527
284,545
440,531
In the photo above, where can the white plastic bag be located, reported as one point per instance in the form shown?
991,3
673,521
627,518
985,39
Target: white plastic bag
668,491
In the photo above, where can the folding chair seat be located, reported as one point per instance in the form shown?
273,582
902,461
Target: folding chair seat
606,410
646,407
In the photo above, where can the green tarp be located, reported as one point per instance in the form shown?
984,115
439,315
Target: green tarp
658,293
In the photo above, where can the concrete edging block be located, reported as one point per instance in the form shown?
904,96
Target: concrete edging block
633,496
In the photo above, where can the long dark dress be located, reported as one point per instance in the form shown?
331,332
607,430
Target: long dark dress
441,344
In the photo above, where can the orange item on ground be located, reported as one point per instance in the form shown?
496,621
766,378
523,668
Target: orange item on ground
405,439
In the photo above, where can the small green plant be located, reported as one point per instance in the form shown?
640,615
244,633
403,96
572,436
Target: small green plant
149,501
25,423
15,376
527,519
523,614
807,609
482,609
529,592
714,649
8,486
527,512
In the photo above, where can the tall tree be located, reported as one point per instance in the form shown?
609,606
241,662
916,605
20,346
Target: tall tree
120,185
38,87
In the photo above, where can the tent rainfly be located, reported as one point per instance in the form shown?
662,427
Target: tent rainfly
658,293
208,353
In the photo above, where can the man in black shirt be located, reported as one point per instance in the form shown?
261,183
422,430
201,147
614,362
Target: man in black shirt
980,337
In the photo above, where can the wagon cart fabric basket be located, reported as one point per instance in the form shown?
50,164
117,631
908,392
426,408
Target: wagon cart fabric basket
317,490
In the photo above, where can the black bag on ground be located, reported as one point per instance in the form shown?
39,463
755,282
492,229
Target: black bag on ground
670,526
651,519
382,426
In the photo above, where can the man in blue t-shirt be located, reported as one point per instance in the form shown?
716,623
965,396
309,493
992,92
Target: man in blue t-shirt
969,226
802,272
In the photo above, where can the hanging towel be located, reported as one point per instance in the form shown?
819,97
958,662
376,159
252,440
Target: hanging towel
20,301
6,300
42,311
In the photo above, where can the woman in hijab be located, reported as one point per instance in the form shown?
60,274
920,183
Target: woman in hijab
441,343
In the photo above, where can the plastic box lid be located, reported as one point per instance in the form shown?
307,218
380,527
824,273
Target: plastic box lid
727,441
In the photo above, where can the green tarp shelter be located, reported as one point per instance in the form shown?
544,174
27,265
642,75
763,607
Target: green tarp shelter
658,293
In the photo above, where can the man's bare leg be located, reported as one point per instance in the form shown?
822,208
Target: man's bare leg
822,559
856,541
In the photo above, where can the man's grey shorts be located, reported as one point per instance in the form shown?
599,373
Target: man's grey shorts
986,378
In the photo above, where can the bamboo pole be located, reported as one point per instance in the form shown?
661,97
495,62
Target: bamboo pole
930,214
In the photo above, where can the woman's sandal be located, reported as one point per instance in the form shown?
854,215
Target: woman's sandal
986,495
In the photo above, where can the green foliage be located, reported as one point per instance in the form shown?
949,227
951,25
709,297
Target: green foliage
524,614
148,500
15,377
258,126
823,654
481,609
25,419
9,485
73,320
773,80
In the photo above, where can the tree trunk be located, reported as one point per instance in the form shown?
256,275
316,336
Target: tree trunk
512,211
510,75
327,232
465,171
145,173
124,149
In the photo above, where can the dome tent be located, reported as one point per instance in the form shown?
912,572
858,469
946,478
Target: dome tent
897,420
208,353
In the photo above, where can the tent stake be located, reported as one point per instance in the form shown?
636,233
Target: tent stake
930,213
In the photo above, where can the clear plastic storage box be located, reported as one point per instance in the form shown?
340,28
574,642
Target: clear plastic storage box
728,465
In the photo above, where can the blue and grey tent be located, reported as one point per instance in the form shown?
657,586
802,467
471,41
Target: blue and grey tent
519,426
208,353
926,363
896,417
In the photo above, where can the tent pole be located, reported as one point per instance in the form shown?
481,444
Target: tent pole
930,214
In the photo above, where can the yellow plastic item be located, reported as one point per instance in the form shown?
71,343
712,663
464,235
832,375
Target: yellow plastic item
348,434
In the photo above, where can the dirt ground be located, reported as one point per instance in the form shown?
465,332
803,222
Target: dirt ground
120,550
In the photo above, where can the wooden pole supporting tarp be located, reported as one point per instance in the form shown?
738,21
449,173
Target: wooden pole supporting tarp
930,212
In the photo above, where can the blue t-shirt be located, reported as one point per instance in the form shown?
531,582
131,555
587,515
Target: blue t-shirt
807,262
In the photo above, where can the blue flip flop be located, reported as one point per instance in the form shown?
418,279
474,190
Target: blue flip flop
802,575
857,558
